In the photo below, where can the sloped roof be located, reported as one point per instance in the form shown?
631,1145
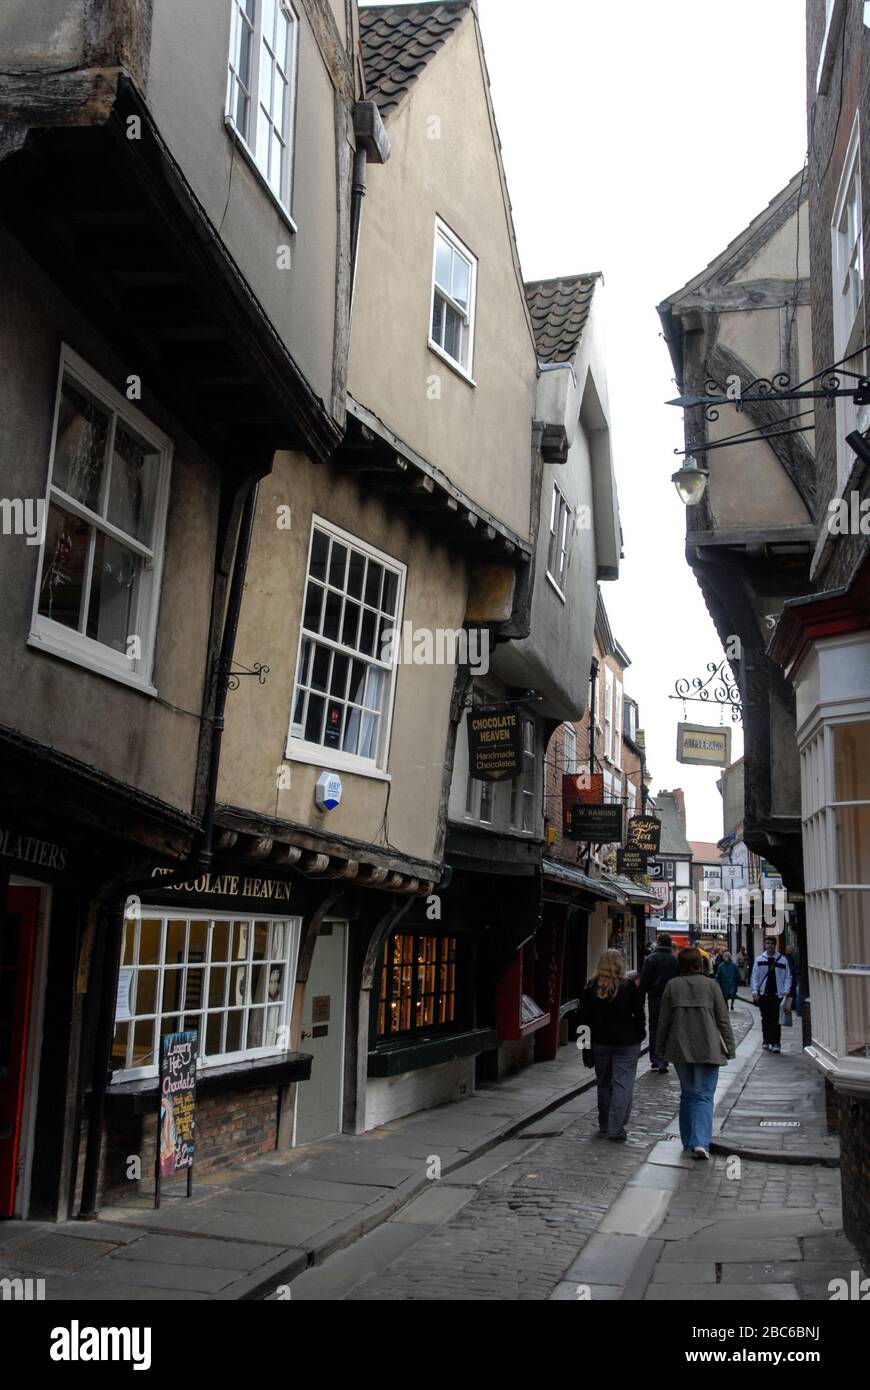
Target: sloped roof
559,310
705,852
673,840
399,40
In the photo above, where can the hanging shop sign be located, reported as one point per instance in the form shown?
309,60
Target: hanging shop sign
644,833
702,746
177,1093
495,744
577,788
598,824
630,861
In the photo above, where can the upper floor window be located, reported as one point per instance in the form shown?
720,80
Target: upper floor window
557,553
847,269
570,749
261,87
608,713
454,280
345,676
523,787
102,540
617,724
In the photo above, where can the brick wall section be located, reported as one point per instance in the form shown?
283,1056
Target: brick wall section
855,1164
230,1129
830,127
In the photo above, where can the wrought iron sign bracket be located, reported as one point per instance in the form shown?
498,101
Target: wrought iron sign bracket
719,688
233,676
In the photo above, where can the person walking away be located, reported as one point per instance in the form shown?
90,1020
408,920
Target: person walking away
741,965
771,986
695,1034
659,967
727,977
612,1008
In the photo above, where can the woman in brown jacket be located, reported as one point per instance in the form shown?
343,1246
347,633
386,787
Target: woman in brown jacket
694,1032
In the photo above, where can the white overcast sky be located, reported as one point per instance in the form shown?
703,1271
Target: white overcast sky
638,140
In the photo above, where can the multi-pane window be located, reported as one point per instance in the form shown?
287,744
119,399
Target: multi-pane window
557,553
631,796
229,978
835,780
96,599
847,270
418,987
486,796
617,724
345,673
262,76
523,787
570,750
453,291
608,713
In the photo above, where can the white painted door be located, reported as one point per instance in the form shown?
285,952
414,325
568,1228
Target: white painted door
318,1100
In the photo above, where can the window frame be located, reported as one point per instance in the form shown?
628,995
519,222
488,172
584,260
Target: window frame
847,336
242,138
459,992
191,915
523,786
319,755
47,634
465,369
559,538
608,713
569,739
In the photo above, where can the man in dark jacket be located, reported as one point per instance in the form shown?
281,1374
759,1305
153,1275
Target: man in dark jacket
658,968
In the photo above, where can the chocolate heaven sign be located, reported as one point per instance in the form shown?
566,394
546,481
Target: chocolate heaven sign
644,834
495,744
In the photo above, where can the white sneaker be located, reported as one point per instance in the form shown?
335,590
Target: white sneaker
775,1047
699,1152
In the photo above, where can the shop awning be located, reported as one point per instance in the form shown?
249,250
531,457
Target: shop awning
603,890
632,892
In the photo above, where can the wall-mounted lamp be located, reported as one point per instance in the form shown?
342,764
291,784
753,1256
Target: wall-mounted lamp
690,481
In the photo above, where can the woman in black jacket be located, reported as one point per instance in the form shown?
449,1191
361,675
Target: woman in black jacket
612,1009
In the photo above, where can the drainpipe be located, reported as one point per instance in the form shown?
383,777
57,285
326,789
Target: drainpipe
225,661
372,147
110,954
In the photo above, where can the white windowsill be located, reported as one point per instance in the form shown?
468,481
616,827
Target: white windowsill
333,760
241,144
451,362
90,661
556,587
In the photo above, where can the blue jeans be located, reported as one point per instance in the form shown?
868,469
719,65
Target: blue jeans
697,1089
615,1072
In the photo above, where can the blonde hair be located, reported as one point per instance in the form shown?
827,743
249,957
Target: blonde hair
609,974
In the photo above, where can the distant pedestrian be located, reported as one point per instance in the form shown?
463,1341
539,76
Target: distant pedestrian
742,963
612,1008
727,977
659,967
771,986
695,1034
706,966
794,960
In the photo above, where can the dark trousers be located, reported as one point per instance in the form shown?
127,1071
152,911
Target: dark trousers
654,1004
770,1029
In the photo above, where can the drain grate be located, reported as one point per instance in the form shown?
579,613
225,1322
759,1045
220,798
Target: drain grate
780,1124
62,1252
